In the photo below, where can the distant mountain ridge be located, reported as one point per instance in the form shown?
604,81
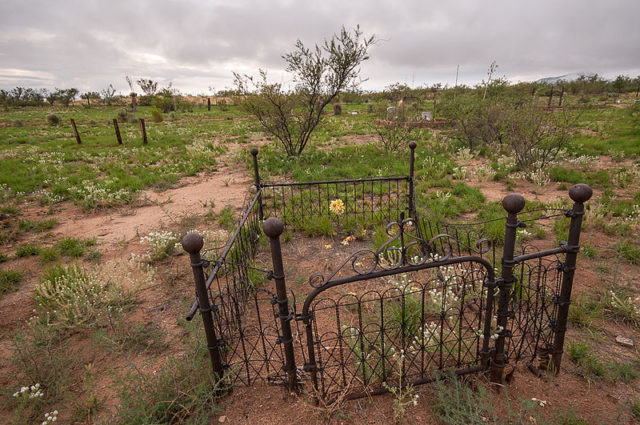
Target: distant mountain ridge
566,77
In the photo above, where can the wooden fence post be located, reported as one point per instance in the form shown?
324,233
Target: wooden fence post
144,131
208,104
117,128
75,131
273,228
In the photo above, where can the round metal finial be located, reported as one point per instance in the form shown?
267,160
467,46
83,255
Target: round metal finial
513,203
412,144
192,243
254,151
580,193
273,227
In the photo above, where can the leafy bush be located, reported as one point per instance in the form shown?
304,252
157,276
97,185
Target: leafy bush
53,119
123,115
156,115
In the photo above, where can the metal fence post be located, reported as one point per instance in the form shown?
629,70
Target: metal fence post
513,204
256,173
273,228
580,193
193,243
412,190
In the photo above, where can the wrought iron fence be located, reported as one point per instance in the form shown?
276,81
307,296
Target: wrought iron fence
434,297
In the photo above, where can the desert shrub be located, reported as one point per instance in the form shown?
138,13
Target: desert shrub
156,115
628,251
160,244
163,104
123,115
53,119
72,297
9,279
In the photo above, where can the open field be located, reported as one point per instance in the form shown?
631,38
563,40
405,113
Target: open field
94,290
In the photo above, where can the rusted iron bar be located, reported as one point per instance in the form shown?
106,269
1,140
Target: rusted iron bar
273,228
412,200
540,254
513,204
193,243
75,131
371,179
256,173
580,193
117,128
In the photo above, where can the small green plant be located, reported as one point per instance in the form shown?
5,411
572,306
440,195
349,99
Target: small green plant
90,402
3,257
49,254
156,115
53,119
9,279
403,395
635,408
71,247
225,218
27,250
123,116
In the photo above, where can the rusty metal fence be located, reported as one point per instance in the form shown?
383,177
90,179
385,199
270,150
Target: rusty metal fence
435,297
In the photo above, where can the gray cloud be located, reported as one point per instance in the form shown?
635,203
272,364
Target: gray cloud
196,44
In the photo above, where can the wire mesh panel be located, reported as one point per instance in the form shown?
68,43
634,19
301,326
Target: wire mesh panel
409,325
250,337
306,206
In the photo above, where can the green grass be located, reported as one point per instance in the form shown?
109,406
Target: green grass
37,225
27,250
9,280
592,365
628,251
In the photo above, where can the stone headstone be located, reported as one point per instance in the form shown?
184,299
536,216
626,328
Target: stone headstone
337,109
426,116
391,113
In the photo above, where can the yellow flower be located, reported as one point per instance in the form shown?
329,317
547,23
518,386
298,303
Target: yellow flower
337,206
348,239
328,246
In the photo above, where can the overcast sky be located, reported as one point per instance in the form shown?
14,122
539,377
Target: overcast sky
197,44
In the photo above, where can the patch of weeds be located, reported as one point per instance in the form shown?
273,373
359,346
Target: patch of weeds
9,280
71,247
49,254
177,394
27,250
621,303
225,218
90,402
121,336
93,255
588,250
583,311
581,353
3,257
628,251
44,360
635,408
37,226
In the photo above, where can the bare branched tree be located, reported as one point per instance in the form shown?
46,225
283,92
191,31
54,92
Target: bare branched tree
148,87
108,94
319,74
